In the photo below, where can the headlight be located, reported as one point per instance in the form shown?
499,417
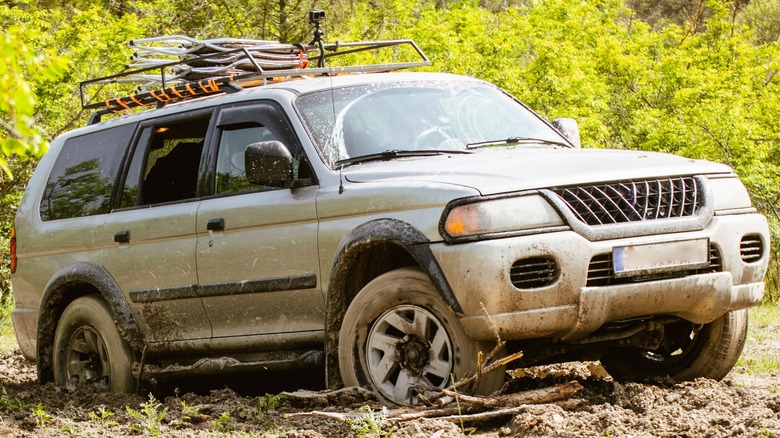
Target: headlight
500,216
729,194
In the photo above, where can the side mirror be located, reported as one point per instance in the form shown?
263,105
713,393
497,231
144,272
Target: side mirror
268,163
570,129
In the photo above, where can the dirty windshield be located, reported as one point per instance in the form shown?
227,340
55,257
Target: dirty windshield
367,120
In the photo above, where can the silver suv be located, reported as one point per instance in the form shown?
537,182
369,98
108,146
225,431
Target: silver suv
382,227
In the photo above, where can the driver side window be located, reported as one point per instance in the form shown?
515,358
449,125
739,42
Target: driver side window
233,140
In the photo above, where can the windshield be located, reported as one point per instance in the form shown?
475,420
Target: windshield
416,116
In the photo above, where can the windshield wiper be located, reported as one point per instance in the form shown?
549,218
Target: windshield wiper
513,140
395,153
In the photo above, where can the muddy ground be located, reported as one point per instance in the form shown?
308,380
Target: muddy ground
741,405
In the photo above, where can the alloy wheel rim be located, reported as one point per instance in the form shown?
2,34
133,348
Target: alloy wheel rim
407,346
87,359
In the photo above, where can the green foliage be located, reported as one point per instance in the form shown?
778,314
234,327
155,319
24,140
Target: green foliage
42,418
149,419
370,424
264,405
269,402
9,405
223,423
762,17
102,417
187,411
21,65
690,77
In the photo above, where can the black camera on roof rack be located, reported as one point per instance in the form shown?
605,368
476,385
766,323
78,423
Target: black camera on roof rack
316,15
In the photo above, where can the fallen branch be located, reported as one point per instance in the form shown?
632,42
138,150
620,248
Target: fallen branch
533,396
473,411
475,405
407,414
499,342
486,370
488,415
342,416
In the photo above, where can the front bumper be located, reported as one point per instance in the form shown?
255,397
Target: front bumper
479,274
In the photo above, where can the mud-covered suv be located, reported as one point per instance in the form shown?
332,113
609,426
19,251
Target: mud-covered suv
382,227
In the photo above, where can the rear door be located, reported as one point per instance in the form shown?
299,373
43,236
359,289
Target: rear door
257,246
152,236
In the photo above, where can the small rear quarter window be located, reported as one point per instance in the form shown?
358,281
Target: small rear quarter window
83,176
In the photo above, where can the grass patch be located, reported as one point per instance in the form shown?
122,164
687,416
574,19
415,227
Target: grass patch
762,348
765,314
7,336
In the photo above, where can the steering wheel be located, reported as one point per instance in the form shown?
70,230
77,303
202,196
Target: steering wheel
424,139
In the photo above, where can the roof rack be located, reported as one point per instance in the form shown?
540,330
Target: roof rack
224,69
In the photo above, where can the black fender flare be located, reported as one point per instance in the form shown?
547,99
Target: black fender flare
370,233
54,301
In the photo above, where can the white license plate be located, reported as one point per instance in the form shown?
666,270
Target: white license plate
634,260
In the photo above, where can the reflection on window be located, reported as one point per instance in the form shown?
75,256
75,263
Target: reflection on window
426,115
231,173
83,176
79,191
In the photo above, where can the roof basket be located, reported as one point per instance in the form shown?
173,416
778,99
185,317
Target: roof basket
174,68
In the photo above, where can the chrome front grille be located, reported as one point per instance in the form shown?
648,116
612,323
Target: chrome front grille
633,201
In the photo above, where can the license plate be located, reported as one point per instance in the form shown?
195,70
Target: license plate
635,260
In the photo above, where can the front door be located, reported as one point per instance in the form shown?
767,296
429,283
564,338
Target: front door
257,246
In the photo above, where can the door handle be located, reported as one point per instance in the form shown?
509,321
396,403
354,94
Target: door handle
216,224
122,236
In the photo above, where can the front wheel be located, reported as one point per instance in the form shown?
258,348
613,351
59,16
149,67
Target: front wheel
88,349
398,334
687,352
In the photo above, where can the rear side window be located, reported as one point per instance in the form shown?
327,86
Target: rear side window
165,163
83,176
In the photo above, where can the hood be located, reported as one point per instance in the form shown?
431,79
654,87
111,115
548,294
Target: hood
501,170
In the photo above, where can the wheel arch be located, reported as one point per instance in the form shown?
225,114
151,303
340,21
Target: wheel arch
69,283
368,251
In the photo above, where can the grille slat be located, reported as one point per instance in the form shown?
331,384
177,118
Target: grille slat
751,248
633,201
624,201
534,272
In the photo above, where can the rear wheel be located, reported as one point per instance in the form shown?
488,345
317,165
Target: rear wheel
398,334
88,349
688,351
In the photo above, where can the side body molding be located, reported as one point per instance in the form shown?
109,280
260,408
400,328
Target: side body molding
67,284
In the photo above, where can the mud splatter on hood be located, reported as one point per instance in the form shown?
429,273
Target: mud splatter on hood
522,168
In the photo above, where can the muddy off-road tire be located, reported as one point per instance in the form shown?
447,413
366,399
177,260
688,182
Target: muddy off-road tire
397,333
688,352
88,349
